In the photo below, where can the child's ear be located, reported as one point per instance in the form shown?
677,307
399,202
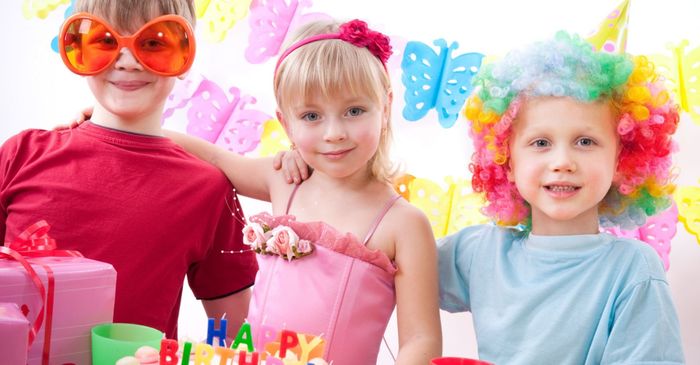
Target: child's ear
509,171
183,76
387,107
283,121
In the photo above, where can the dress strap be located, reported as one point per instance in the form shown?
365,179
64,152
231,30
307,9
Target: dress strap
379,218
291,197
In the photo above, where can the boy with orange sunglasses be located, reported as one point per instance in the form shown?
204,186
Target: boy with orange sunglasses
118,191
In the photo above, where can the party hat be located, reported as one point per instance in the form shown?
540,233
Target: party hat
611,35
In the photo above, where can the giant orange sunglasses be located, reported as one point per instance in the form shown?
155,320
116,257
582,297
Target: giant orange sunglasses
164,46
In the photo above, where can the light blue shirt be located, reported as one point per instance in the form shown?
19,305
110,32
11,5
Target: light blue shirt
581,299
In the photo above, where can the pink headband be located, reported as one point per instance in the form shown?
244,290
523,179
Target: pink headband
354,32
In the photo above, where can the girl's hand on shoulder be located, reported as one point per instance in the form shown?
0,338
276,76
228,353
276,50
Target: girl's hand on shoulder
84,115
293,167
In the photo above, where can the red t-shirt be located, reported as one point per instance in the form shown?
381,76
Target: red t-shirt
140,203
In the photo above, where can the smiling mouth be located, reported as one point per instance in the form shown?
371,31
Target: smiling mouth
561,188
338,153
129,85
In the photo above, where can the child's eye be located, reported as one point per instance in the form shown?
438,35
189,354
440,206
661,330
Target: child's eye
540,143
106,41
311,117
152,45
585,142
355,112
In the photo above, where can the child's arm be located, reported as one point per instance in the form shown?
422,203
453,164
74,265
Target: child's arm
292,165
645,327
250,176
234,306
420,336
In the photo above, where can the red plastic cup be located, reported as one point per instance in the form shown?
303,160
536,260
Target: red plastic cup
457,361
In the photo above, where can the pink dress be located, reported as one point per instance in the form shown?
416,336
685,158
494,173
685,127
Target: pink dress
342,292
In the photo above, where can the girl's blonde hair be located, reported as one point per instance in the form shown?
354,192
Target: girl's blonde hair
332,67
128,15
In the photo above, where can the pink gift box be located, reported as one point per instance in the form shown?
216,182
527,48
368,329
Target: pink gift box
14,332
83,297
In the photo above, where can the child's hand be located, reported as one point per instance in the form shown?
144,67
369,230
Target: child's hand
84,115
292,165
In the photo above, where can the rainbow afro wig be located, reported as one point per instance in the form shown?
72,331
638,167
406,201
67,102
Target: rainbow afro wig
568,66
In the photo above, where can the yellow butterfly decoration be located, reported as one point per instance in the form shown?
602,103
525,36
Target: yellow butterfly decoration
688,201
447,210
219,16
40,8
273,139
682,69
611,35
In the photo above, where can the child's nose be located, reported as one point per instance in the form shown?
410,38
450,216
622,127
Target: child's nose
126,61
335,131
563,161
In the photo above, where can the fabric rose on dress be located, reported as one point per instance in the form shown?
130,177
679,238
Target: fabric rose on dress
284,239
269,249
281,241
304,247
254,235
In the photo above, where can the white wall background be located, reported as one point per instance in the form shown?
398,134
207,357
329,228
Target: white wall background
36,91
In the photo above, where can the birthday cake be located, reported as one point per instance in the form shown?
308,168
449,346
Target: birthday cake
281,348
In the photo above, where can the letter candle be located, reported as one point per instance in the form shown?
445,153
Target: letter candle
294,348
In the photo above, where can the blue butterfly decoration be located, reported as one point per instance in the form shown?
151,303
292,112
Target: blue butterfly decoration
66,14
437,80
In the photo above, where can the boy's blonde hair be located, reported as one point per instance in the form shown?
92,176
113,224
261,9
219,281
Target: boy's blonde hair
128,15
331,67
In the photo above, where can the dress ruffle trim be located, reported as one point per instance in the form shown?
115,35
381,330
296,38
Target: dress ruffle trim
323,234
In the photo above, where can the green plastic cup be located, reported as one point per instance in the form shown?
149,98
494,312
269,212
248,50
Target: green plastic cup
112,341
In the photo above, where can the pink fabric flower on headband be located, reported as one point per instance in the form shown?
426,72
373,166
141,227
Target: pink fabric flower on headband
357,32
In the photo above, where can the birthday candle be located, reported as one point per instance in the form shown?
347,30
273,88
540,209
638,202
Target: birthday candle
225,354
243,358
203,354
212,331
186,350
268,333
244,336
168,352
288,340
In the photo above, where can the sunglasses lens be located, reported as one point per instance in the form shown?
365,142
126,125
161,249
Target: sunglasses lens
88,46
164,47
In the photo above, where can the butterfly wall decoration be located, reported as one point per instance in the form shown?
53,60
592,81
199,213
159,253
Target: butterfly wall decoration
273,139
270,23
437,80
448,210
40,8
657,232
214,117
682,70
688,200
219,16
227,123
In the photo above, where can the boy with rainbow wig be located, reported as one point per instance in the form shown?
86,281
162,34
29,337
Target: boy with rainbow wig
566,139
